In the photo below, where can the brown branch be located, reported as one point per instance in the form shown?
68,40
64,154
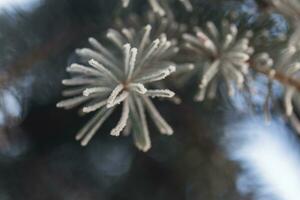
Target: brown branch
278,76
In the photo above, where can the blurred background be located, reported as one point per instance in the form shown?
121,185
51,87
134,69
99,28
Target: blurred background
221,149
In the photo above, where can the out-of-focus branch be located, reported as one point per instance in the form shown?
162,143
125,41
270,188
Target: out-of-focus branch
278,76
52,47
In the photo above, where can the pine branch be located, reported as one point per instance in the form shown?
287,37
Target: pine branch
278,76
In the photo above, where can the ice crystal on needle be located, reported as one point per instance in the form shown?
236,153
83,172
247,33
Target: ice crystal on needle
111,79
220,54
158,5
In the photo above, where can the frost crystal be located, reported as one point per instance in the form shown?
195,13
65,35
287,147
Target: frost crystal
114,78
220,54
158,5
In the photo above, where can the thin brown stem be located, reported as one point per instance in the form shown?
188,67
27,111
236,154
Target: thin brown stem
278,76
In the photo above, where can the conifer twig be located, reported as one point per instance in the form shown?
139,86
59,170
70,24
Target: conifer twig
278,76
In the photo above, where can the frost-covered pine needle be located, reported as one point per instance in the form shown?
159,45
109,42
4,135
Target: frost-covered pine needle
219,54
287,62
263,61
289,8
158,7
159,24
120,78
157,28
